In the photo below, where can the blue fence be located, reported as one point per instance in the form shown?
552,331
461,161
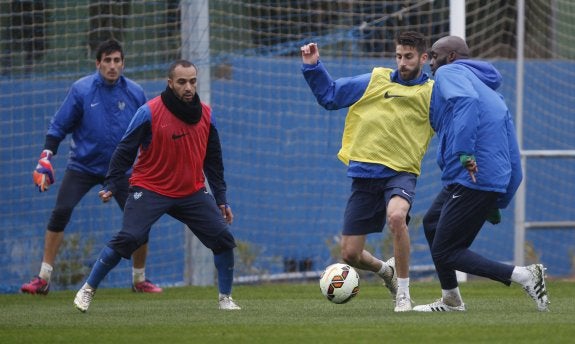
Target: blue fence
286,186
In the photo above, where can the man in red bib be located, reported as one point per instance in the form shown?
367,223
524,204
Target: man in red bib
175,141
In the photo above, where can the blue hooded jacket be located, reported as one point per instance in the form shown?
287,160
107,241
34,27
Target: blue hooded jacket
97,115
470,117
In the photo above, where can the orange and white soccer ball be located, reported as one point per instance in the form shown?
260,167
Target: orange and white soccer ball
339,283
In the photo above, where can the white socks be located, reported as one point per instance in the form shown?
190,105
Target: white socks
138,275
520,275
403,287
385,270
452,297
46,271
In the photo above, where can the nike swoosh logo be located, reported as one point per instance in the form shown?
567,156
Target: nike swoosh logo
387,95
455,196
175,137
94,104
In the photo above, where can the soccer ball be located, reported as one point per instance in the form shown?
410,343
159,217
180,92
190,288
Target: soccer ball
339,283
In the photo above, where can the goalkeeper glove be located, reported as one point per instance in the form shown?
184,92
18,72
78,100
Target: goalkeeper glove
44,173
494,216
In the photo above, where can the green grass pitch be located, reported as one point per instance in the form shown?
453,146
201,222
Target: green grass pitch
289,313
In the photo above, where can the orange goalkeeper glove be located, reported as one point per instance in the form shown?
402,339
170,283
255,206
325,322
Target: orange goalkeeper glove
44,173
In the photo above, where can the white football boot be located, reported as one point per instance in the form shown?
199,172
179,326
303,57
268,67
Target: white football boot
535,287
439,306
403,303
227,303
83,299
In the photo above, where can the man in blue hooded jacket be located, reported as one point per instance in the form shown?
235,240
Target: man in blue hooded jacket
479,157
96,113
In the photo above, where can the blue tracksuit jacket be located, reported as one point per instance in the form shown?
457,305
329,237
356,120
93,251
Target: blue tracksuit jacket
470,117
96,114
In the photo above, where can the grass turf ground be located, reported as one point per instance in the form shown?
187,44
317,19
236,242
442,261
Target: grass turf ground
288,313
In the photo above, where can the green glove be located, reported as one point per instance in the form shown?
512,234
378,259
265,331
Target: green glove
465,158
494,216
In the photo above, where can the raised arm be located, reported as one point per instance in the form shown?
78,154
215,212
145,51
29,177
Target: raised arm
310,53
330,94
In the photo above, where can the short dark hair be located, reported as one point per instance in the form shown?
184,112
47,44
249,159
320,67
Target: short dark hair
412,39
108,47
183,63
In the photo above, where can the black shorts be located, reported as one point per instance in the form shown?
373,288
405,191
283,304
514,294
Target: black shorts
75,185
366,207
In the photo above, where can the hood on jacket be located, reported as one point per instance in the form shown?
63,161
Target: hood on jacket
485,71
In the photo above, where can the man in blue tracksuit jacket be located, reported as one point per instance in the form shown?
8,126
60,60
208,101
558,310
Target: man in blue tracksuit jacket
96,112
479,157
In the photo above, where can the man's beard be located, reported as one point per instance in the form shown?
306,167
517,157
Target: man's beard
411,75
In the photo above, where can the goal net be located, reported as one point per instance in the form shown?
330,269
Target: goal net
286,186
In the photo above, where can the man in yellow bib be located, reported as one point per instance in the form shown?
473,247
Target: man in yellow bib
386,134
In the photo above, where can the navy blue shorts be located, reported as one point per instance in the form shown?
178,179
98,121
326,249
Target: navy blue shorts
366,207
198,211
